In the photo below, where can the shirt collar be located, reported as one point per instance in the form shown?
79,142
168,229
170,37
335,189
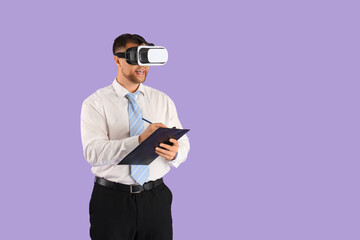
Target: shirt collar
121,91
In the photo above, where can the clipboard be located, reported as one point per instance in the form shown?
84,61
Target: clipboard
144,154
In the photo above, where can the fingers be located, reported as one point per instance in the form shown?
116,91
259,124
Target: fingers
168,155
157,125
153,127
175,142
169,152
172,148
164,152
167,147
150,130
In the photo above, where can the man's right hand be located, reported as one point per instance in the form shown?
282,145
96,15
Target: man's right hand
149,130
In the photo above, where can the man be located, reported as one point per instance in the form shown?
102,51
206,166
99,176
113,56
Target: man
129,202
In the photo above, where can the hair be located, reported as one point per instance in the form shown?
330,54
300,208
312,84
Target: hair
123,39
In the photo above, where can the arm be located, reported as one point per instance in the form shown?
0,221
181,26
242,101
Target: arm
98,149
184,144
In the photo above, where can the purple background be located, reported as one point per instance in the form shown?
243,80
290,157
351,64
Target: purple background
269,89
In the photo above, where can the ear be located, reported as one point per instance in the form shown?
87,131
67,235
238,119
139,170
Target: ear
117,61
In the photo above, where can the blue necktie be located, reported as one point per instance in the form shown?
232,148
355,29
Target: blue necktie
138,172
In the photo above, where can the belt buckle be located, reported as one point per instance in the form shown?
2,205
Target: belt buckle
131,189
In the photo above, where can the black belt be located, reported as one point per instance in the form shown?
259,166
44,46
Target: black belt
129,188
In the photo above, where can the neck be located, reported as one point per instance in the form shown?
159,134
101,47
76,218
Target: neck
131,87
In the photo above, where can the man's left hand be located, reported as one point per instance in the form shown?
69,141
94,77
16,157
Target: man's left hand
169,152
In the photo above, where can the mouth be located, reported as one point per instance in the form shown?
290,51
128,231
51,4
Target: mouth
140,73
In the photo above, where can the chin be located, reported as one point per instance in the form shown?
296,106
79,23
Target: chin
138,80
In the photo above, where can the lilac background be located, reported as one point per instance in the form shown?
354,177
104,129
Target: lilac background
269,89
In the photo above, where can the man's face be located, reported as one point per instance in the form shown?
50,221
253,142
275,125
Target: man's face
133,73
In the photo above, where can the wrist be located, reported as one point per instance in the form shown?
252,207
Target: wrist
174,157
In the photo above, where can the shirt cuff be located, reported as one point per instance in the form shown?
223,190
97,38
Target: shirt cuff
176,161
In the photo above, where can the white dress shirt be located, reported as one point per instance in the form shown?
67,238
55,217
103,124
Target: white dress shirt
105,133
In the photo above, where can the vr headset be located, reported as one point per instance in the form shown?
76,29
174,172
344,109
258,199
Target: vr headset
148,55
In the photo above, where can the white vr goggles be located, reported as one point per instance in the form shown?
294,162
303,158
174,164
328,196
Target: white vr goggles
145,55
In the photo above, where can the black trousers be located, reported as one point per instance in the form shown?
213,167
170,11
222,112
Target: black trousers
118,215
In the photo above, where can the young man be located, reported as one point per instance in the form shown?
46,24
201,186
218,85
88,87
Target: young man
129,202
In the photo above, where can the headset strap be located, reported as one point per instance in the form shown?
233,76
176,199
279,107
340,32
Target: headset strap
142,40
121,54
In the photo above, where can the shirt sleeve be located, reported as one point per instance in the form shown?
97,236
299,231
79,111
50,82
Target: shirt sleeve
97,148
184,144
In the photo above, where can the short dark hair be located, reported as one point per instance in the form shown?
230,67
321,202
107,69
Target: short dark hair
123,39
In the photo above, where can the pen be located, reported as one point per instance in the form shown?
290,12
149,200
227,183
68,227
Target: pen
149,121
146,120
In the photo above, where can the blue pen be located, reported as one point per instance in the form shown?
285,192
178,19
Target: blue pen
146,120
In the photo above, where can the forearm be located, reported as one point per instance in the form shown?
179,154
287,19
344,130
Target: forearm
108,152
98,149
184,144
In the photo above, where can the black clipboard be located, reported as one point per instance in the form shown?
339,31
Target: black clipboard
144,154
